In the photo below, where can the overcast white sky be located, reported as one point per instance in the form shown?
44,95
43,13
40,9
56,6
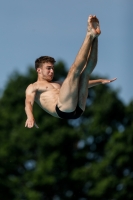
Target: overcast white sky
32,28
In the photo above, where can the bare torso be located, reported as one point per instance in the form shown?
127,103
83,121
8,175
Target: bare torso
47,95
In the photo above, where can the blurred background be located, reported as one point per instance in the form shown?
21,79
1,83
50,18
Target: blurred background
87,158
30,29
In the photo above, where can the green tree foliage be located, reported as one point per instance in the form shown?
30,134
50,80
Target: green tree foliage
87,158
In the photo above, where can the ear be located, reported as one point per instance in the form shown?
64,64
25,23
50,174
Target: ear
38,70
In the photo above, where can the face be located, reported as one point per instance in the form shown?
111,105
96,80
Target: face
46,72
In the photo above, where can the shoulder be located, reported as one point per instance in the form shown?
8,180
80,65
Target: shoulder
32,87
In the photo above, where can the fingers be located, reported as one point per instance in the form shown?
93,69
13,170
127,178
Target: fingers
29,124
108,81
113,79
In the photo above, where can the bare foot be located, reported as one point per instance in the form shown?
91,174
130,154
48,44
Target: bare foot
93,26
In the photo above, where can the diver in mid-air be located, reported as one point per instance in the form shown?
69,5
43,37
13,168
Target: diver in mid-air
67,99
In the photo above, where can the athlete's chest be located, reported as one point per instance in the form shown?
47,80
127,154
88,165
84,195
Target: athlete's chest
44,87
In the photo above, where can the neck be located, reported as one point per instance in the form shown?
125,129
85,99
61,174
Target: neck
43,79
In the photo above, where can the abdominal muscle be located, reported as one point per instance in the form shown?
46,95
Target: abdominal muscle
47,100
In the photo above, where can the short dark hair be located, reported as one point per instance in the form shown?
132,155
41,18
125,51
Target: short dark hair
43,59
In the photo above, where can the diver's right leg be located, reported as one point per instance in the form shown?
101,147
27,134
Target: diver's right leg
85,75
68,96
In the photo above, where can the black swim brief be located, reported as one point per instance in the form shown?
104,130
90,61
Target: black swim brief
71,115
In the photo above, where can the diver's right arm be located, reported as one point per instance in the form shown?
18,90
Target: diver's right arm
29,102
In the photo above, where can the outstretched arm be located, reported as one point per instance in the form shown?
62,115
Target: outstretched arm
93,83
29,101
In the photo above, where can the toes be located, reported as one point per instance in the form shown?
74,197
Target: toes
90,16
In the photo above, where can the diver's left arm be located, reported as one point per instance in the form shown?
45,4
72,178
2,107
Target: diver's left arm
93,83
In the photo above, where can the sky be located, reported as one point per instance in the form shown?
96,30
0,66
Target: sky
30,29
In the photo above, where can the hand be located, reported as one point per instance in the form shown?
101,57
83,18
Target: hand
30,122
104,81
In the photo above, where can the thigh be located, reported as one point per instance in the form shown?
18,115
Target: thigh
83,90
68,96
